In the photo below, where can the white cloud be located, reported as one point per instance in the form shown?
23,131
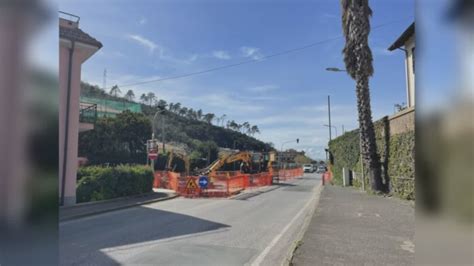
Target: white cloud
251,52
221,55
150,45
262,88
142,21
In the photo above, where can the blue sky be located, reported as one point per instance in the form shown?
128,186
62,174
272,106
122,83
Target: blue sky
285,96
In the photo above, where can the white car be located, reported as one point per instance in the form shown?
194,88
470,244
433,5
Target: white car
308,168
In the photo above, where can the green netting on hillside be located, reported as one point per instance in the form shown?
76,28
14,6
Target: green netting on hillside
110,108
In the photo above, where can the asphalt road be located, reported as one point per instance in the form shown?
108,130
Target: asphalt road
254,228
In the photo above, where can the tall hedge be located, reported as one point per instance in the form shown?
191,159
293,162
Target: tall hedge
396,155
101,183
345,151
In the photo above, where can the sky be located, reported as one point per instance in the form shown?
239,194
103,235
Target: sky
286,96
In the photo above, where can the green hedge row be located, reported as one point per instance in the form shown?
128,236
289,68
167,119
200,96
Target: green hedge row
345,151
396,155
101,183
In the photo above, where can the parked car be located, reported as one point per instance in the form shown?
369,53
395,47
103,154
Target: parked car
308,168
321,169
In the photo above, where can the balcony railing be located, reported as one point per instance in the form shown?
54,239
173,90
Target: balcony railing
88,113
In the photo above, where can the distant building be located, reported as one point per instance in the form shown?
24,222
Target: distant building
288,156
110,108
75,47
406,43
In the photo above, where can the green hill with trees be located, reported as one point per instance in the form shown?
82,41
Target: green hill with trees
122,139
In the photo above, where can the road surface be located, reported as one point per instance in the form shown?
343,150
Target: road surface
252,228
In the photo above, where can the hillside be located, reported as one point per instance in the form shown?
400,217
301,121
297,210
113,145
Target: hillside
183,125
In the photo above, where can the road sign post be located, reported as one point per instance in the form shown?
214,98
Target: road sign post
203,182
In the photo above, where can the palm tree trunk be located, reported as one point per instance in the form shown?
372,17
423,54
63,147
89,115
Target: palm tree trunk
367,133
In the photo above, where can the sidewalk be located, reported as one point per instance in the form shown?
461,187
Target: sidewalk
97,207
350,227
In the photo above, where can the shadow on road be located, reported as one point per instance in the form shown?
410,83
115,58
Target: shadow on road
81,240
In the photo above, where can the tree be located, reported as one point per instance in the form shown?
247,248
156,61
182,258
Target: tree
222,119
302,159
199,114
358,60
144,98
233,125
177,108
246,127
162,104
151,98
115,91
254,129
183,111
209,117
117,140
130,95
170,107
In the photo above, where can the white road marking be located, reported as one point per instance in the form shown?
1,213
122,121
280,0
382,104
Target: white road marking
408,246
265,252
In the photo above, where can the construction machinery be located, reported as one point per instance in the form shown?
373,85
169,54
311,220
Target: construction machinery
226,158
180,154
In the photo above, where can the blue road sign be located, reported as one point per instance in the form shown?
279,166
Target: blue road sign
203,181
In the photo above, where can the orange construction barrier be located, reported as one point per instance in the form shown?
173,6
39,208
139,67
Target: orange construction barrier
222,184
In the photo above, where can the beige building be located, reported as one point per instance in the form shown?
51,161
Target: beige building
75,47
406,43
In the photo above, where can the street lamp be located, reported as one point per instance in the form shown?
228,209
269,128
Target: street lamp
335,69
161,112
332,127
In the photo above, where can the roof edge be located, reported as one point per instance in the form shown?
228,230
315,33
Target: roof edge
410,31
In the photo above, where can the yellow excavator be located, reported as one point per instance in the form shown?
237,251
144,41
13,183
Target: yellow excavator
173,153
210,170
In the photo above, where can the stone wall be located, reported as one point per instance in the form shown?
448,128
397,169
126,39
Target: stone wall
402,122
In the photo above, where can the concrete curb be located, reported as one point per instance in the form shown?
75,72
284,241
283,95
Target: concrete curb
130,205
289,257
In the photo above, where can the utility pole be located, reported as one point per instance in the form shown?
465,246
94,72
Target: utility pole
104,84
329,116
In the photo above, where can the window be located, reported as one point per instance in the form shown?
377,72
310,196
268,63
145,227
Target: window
413,59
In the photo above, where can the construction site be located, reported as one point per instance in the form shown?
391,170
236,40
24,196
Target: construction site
231,173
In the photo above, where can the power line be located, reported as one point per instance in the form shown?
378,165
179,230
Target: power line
251,60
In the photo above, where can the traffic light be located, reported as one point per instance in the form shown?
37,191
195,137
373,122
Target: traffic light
297,140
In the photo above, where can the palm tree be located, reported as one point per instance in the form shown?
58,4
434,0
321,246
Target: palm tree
115,91
358,60
130,95
170,107
144,98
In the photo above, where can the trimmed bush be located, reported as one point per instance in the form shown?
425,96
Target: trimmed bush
101,183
